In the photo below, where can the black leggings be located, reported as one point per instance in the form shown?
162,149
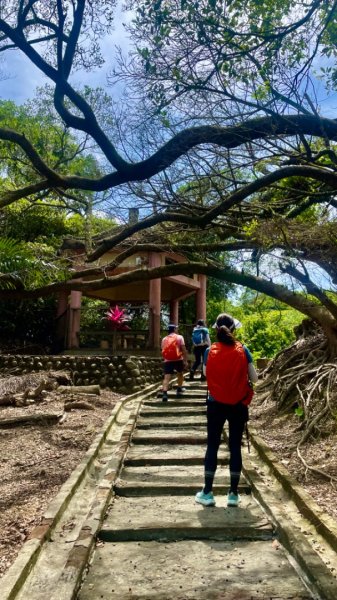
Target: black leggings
199,352
217,415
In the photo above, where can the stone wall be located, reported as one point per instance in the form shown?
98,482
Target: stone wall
124,374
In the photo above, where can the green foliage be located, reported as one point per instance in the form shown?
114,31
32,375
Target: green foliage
329,51
216,289
26,323
92,313
32,230
31,264
60,149
36,222
14,257
270,332
250,47
267,325
76,225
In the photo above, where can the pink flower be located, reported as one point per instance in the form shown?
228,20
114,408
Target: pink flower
116,317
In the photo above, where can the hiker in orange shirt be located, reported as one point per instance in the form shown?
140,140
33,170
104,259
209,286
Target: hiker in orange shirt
175,360
229,370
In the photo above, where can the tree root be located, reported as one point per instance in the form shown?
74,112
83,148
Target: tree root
303,378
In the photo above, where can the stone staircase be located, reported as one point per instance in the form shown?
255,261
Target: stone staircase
156,542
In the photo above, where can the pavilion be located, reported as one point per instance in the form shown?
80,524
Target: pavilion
170,290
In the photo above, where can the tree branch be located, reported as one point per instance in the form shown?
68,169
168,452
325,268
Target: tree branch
311,288
314,311
201,221
10,196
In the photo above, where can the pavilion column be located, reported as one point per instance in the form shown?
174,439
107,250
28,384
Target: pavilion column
155,303
74,319
61,320
174,312
200,298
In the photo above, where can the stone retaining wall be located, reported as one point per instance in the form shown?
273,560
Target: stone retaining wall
124,374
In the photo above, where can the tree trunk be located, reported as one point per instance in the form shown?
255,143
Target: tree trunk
40,419
79,389
331,335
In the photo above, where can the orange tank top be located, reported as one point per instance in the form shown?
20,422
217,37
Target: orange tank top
227,374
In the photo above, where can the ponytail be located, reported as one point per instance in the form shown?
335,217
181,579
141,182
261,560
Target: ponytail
225,326
225,336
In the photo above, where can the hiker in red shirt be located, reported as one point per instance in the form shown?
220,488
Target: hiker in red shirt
229,370
175,360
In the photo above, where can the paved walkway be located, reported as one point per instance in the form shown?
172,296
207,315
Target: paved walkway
156,543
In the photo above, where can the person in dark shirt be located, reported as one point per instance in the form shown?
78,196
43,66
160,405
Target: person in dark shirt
201,341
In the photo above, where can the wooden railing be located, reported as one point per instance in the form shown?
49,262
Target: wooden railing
116,340
137,339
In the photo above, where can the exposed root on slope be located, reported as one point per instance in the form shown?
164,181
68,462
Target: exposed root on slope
303,379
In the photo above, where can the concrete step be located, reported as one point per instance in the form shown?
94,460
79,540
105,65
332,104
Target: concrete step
188,392
171,518
189,488
170,474
176,402
166,454
169,422
166,409
192,570
195,392
190,435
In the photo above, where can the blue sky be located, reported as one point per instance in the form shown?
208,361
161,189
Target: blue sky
21,77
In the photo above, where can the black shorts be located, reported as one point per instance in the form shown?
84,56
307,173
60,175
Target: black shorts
173,365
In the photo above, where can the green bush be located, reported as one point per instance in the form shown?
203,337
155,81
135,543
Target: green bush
267,326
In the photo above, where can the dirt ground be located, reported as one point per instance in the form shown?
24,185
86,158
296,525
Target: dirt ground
37,459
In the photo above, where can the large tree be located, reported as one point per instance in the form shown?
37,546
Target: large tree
62,36
221,117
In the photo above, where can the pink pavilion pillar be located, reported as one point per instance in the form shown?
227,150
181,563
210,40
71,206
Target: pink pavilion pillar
74,319
62,320
200,298
155,303
174,312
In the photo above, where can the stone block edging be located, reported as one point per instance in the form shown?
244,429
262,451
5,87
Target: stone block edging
316,573
14,578
123,374
72,574
325,525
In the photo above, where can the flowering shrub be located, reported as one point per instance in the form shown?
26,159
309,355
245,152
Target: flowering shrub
116,318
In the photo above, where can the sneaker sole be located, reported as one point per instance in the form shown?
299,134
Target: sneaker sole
205,502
